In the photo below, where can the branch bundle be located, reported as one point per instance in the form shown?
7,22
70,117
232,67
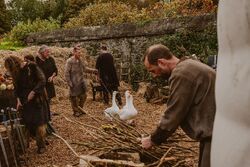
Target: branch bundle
117,136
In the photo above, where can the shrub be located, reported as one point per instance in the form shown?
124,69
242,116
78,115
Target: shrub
187,42
22,29
106,14
117,12
9,45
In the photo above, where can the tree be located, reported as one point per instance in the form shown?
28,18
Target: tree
60,9
24,10
74,7
4,19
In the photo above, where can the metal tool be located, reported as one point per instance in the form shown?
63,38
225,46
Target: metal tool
5,123
18,130
12,130
3,150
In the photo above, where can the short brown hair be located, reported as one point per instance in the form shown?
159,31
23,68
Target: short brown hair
29,57
157,51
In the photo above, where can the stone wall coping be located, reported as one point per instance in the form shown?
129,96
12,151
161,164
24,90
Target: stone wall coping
125,30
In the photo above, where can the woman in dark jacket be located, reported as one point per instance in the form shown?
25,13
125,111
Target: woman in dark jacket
29,83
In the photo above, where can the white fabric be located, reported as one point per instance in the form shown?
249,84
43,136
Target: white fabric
231,135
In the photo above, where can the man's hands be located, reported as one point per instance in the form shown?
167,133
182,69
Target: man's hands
19,104
31,95
146,142
50,79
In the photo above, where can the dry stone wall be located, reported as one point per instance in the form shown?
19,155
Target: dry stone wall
127,42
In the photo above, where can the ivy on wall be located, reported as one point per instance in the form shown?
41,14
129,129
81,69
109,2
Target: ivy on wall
187,42
182,43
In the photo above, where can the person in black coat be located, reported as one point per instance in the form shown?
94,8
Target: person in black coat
48,66
29,86
107,74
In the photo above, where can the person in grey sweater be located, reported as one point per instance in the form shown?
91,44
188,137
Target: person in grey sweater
74,74
191,104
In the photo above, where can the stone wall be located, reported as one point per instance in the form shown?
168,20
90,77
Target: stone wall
127,42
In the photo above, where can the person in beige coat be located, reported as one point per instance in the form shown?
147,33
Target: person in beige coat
191,104
74,74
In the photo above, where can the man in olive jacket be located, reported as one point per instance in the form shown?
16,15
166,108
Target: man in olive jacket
191,104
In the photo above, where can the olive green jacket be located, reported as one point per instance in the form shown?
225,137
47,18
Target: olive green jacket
191,104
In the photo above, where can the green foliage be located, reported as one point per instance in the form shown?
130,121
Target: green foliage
137,74
21,30
134,3
6,44
186,43
60,9
74,7
182,43
4,19
106,14
24,10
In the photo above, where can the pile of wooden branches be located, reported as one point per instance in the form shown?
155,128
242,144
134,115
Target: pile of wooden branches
117,136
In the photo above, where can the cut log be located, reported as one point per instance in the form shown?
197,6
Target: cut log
85,161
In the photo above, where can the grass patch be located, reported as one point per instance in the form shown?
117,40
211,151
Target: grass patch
8,45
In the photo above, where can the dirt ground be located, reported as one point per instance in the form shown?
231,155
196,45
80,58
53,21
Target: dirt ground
58,154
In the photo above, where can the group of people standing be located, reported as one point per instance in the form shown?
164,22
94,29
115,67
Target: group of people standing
33,82
34,87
